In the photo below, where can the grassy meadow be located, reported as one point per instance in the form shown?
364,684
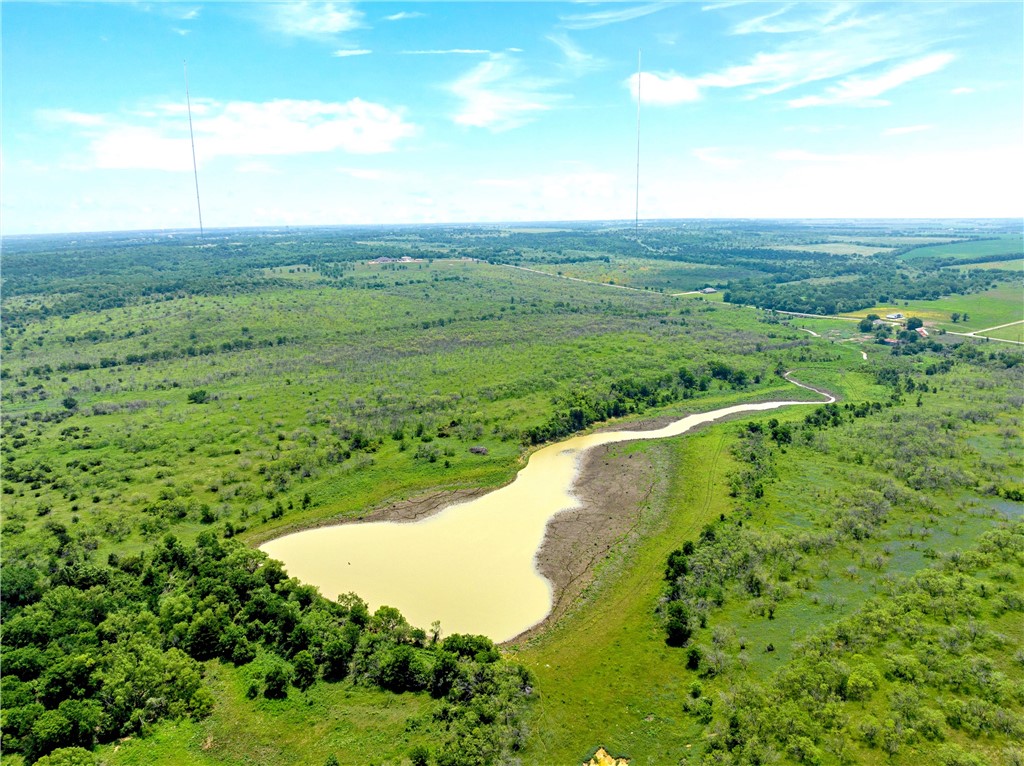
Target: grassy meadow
1007,244
986,309
165,408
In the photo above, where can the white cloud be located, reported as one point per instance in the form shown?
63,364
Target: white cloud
864,91
963,91
448,52
369,174
314,20
833,43
799,155
70,117
603,18
255,166
496,96
346,53
664,90
905,129
403,15
793,18
243,129
710,155
577,61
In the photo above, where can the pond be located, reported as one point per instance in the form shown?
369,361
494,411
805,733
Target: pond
472,565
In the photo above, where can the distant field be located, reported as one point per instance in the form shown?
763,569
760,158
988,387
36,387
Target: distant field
1015,264
838,248
899,241
987,309
1009,244
647,273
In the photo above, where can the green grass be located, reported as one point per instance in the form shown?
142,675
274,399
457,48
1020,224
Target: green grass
1009,244
356,725
604,673
647,273
986,309
840,248
1016,264
1013,332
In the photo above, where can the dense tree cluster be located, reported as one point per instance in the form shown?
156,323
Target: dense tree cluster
92,652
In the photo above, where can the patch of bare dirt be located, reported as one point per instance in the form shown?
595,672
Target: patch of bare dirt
613,489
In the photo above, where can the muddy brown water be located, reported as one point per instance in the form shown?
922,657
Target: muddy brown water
472,565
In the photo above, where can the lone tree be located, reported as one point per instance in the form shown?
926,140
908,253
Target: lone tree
677,626
914,322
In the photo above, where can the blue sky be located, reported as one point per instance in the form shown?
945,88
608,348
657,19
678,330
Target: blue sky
338,113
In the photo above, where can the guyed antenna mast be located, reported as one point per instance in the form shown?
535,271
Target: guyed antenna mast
192,137
636,219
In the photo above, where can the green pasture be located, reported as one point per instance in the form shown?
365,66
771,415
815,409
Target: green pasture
840,248
1008,244
986,309
606,677
1015,264
355,724
319,387
1014,332
647,273
423,360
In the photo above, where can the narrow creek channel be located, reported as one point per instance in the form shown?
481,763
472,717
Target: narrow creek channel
472,565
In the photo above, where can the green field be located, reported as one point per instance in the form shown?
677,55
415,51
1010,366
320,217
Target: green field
648,274
841,248
1016,264
1013,332
986,309
166,408
613,681
1007,244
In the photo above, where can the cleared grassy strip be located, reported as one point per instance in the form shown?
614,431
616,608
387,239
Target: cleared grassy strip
604,673
1015,264
839,248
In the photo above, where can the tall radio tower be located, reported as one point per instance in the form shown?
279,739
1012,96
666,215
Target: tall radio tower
191,135
636,219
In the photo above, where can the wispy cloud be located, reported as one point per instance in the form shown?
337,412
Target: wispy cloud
314,20
403,15
496,95
448,52
905,129
577,61
158,138
962,91
70,117
603,18
902,40
341,54
797,17
711,155
799,155
864,91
